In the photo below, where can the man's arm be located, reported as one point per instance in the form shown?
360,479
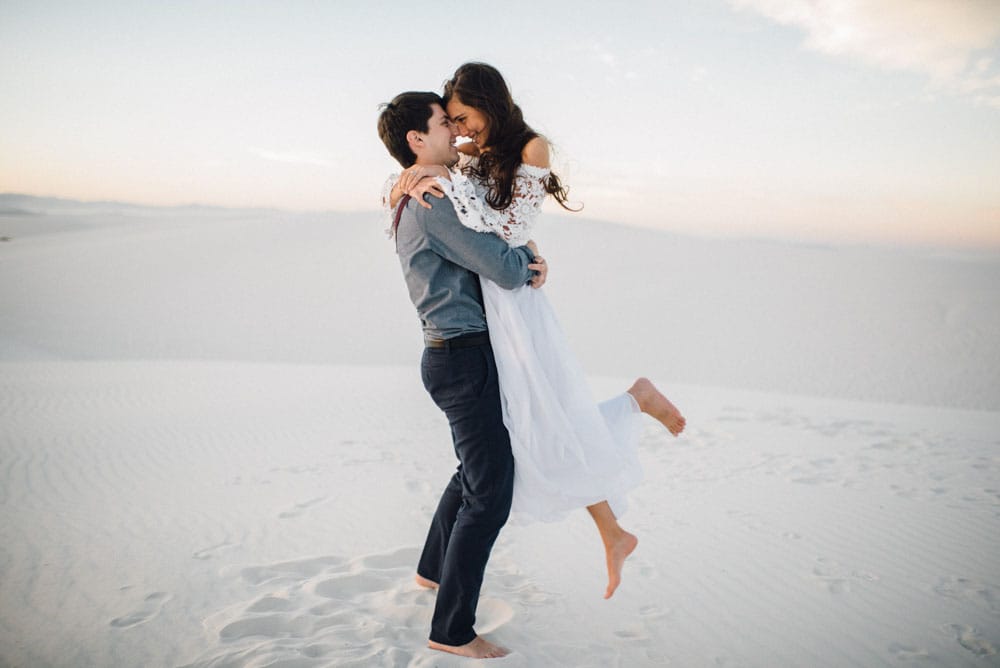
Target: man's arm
485,254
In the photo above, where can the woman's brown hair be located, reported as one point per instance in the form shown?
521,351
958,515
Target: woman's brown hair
483,88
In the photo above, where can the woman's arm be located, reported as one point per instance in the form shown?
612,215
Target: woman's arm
417,181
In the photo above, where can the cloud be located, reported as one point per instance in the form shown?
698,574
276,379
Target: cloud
292,157
949,41
604,55
617,66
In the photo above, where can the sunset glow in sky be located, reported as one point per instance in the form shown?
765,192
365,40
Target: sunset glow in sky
832,121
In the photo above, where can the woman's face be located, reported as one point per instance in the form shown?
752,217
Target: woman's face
470,122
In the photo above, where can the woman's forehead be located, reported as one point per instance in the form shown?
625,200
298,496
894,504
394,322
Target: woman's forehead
455,106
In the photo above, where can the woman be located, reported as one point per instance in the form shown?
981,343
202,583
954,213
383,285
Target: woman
569,450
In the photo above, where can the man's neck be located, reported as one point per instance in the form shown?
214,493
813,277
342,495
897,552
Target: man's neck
428,163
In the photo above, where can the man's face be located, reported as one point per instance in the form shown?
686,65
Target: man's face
437,146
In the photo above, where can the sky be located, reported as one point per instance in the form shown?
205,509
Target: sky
827,121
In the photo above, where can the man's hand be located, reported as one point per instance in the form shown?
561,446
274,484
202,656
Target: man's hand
540,267
418,180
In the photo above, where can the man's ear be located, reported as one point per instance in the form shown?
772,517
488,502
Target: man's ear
414,140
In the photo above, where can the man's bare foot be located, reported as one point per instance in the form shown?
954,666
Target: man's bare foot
616,554
652,402
479,648
424,582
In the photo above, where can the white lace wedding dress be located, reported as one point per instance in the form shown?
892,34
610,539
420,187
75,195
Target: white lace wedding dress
569,451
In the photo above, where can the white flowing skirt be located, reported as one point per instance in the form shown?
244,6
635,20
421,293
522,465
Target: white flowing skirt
569,451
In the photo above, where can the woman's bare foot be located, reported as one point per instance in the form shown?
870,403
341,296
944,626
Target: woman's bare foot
424,582
479,648
616,554
652,402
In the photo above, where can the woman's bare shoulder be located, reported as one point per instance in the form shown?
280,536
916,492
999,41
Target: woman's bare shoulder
536,152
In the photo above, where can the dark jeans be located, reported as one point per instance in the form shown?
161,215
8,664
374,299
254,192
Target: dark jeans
476,502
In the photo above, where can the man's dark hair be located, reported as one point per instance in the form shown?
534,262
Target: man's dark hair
407,111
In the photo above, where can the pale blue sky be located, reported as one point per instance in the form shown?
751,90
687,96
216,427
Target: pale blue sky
842,121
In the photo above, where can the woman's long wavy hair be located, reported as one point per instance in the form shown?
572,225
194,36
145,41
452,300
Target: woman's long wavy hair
483,88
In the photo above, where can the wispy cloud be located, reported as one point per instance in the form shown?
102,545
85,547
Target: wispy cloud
616,65
952,42
296,158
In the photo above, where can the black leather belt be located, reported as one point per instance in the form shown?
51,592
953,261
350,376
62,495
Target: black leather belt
463,341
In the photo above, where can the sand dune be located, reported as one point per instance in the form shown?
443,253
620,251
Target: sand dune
215,451
914,327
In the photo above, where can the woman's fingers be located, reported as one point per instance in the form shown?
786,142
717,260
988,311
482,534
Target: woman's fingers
426,185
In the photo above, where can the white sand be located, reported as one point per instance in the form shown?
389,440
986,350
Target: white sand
215,451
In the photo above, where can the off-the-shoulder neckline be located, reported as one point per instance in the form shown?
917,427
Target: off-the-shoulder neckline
530,170
534,170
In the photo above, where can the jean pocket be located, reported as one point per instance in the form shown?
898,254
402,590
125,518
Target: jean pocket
455,377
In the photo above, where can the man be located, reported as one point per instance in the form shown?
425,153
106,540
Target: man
441,261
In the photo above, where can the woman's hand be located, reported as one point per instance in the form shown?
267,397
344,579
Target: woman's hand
418,180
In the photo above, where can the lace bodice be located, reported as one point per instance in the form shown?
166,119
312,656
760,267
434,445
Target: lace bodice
514,224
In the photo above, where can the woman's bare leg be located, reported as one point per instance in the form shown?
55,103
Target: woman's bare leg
618,543
652,402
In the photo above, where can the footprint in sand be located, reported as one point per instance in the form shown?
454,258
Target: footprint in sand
299,508
419,487
646,569
270,604
633,633
150,607
970,639
267,626
209,552
960,588
364,611
733,414
818,472
908,652
652,613
361,611
517,587
352,586
405,557
837,578
291,571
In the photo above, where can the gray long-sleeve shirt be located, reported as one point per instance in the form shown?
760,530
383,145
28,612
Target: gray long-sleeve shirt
441,261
